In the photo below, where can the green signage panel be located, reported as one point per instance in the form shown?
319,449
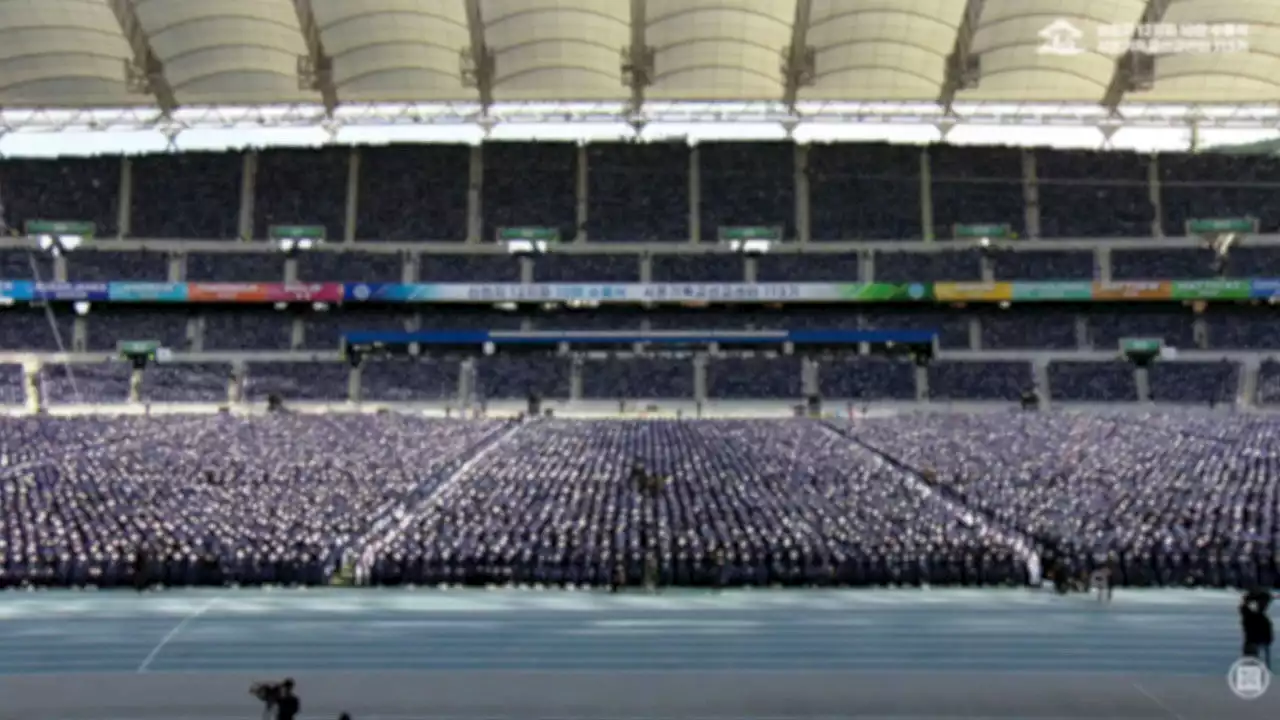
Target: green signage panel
1207,226
1143,346
1211,289
77,228
137,347
995,231
886,292
542,234
751,233
296,232
1066,291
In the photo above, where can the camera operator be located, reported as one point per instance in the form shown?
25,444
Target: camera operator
288,705
1256,625
279,698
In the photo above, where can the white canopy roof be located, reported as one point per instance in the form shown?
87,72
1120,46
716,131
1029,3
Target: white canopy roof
122,53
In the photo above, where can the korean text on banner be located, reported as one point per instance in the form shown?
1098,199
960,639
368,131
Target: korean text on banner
264,292
609,293
304,292
1134,290
1211,290
973,292
227,292
147,292
70,291
1071,291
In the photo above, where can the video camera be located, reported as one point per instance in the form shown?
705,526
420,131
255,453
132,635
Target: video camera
270,693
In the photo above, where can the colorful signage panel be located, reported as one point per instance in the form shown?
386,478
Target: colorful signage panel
17,289
1080,291
887,292
1063,291
1133,290
69,291
1264,288
147,292
637,292
1212,289
998,231
305,292
1206,226
973,292
264,292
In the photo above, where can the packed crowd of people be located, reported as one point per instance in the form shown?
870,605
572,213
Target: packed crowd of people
940,499
640,192
207,500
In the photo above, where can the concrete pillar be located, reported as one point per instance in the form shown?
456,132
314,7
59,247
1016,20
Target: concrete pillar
352,214
1031,193
248,186
582,188
475,184
926,194
124,202
695,196
804,219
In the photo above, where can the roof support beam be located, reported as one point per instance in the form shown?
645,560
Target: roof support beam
1134,71
146,73
315,70
637,59
477,61
798,64
962,67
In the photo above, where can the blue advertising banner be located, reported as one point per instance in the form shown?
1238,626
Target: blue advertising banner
70,291
17,289
1264,288
147,292
388,292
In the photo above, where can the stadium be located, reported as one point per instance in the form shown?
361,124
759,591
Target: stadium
637,359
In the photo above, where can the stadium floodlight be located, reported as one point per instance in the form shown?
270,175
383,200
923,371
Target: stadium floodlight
294,238
750,240
749,247
57,237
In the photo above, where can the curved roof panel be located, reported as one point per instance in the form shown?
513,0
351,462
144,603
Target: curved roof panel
242,49
717,49
59,53
116,53
395,50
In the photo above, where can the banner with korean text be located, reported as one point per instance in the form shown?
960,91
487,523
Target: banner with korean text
1211,289
147,292
1133,290
1077,291
637,292
264,292
973,292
